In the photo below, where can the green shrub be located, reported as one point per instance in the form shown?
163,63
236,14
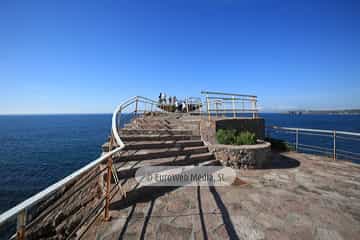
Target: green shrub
225,136
232,137
279,145
245,138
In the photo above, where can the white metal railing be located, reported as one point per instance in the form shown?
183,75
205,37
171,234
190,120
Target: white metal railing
333,141
141,105
193,105
225,104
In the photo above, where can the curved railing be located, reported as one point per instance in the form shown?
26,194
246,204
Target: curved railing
332,143
137,100
20,211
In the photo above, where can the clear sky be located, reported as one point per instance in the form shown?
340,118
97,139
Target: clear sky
86,56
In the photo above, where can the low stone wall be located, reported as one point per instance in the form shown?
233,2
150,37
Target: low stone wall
237,156
67,207
243,156
208,131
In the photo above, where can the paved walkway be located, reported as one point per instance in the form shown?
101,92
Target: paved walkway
300,197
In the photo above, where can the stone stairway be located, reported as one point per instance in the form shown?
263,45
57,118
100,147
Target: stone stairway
162,140
157,141
169,140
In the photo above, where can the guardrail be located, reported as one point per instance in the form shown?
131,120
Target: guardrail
223,104
333,143
193,105
20,211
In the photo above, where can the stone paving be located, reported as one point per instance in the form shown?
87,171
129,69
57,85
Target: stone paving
299,196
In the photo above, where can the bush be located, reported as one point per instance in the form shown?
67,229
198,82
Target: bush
233,137
279,145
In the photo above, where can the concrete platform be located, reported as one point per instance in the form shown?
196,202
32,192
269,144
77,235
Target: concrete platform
299,197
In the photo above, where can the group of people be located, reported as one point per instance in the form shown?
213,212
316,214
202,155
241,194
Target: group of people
177,106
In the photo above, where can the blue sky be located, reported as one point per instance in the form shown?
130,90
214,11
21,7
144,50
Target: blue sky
86,56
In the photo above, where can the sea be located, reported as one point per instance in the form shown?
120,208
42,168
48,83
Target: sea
38,150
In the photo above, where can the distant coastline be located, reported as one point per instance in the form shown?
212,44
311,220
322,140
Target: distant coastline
327,112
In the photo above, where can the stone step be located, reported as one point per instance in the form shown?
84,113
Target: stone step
156,144
133,138
128,169
154,132
163,144
149,154
154,126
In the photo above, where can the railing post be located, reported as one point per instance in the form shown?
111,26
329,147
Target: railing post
334,144
216,108
21,225
200,108
136,105
223,109
187,105
254,107
266,132
233,105
208,106
108,189
297,140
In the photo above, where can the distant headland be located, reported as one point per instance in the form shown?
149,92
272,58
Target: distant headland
329,112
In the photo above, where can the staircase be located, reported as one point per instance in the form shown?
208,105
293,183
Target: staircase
166,140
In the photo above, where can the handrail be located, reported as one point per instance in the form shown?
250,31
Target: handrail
119,109
332,134
220,103
228,94
316,130
52,188
21,208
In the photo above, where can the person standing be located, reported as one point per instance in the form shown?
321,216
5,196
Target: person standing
183,106
164,99
176,105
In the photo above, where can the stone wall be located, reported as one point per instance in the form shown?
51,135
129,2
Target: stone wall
208,131
243,156
65,208
249,156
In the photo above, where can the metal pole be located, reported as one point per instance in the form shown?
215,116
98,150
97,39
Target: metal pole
200,106
253,101
297,140
216,107
136,105
108,189
187,105
266,132
208,106
233,105
21,224
223,109
334,153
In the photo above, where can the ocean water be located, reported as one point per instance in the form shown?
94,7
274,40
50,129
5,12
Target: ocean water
38,150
